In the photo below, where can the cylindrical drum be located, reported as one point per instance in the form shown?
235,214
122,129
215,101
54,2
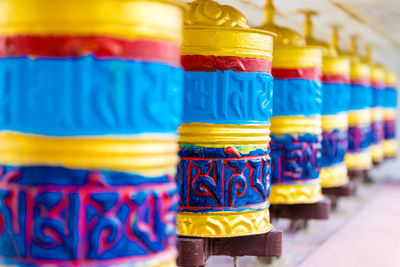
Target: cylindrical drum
90,106
389,104
335,105
378,76
296,125
358,156
223,175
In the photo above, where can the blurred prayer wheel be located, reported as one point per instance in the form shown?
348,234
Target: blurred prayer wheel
296,122
90,109
389,104
335,106
358,156
223,175
378,76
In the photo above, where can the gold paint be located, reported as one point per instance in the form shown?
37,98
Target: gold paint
245,138
390,148
376,152
148,156
332,122
220,30
389,114
359,70
295,125
391,78
377,114
165,264
359,161
359,117
297,57
223,224
295,194
334,176
158,19
378,72
290,49
285,36
210,13
339,65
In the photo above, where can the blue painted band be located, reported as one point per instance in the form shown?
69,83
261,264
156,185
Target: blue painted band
294,97
222,179
336,98
334,147
360,97
295,159
50,219
227,97
389,98
378,96
359,138
88,96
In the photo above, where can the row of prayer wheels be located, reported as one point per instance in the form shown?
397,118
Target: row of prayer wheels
114,91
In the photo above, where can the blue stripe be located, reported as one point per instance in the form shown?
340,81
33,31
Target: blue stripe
293,97
87,96
336,98
360,97
389,97
227,97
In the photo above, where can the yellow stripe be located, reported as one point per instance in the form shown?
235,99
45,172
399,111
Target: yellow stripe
223,224
359,117
378,74
359,161
377,152
295,194
391,78
359,69
377,114
390,148
389,113
334,176
227,41
245,138
336,65
297,57
332,122
145,156
295,125
159,19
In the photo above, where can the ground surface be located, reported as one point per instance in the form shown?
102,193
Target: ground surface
363,232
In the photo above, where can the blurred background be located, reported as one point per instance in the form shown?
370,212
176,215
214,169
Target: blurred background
376,22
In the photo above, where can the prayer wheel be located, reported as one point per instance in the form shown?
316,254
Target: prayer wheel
90,109
358,156
335,106
224,170
389,104
377,76
296,122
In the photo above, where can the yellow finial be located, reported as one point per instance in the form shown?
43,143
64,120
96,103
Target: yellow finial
308,24
368,52
335,37
269,12
354,44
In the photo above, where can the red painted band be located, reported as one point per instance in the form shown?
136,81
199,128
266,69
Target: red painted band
213,63
98,46
335,78
365,81
378,85
299,73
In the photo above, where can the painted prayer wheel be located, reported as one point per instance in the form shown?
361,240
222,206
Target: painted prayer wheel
90,109
358,156
389,104
223,175
377,76
335,106
296,122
